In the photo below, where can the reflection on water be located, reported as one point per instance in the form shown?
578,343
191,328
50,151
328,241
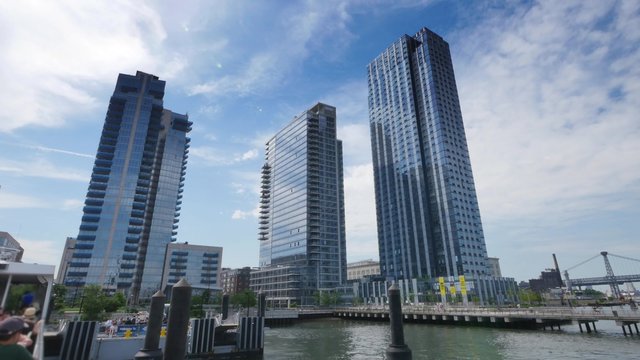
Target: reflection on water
347,339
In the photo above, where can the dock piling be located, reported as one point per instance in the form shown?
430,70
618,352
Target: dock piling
262,304
225,306
176,342
151,348
397,350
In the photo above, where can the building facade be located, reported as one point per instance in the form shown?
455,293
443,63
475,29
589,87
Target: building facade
235,281
67,256
134,196
10,249
427,211
359,269
494,265
200,265
302,205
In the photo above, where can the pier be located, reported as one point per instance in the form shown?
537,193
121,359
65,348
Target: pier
528,318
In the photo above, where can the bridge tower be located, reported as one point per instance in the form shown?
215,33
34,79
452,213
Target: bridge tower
613,282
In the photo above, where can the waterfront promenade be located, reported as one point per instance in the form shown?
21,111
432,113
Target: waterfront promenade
537,317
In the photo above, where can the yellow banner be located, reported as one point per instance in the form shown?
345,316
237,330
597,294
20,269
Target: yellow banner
443,289
452,289
463,285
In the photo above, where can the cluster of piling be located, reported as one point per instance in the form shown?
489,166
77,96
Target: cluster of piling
176,343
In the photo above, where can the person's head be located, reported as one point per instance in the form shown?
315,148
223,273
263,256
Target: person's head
30,313
11,329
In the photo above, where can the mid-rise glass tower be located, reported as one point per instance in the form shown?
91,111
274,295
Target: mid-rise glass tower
302,208
427,211
134,196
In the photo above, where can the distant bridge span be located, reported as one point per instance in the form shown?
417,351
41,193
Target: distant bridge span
620,279
610,278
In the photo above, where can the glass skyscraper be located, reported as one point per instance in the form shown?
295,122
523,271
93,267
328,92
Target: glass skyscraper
302,208
427,210
134,196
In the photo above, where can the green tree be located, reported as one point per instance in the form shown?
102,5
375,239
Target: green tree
246,299
196,307
92,306
593,293
530,297
112,304
59,295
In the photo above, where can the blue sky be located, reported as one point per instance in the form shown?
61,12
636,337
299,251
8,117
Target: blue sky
549,93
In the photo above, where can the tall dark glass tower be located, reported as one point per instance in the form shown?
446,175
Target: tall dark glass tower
302,208
134,196
427,211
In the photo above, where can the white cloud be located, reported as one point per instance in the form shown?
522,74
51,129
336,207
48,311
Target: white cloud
72,204
61,151
241,215
350,100
45,252
17,201
238,188
360,209
356,143
214,157
56,54
42,168
294,33
249,155
550,100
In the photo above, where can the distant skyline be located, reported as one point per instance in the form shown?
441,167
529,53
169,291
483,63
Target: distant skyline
549,95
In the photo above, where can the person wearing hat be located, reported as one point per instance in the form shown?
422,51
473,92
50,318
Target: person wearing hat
10,333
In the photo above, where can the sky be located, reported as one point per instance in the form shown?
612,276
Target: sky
549,92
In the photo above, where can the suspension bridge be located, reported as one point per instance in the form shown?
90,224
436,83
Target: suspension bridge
610,278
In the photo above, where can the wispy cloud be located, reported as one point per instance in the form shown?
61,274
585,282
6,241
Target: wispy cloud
295,31
46,252
360,206
16,201
61,151
550,101
241,215
42,168
57,54
72,204
214,157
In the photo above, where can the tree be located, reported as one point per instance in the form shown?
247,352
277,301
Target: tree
92,305
196,306
327,298
115,302
246,299
59,295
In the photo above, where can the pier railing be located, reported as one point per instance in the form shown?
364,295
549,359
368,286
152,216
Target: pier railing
558,313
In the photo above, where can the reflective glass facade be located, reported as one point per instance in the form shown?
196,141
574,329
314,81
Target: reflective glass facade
132,205
427,211
200,265
302,202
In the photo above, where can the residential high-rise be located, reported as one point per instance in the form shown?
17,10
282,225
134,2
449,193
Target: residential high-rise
427,210
133,201
302,208
10,249
200,265
235,281
67,256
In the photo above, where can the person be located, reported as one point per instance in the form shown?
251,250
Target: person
3,314
10,334
30,317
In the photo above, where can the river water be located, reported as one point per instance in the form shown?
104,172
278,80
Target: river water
349,339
